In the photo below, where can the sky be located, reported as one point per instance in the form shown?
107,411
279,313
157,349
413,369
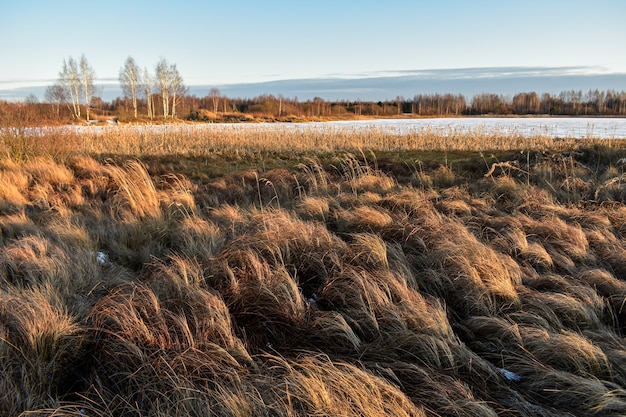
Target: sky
218,43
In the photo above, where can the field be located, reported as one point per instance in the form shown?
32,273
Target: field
188,274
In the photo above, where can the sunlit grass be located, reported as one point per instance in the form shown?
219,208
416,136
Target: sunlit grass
235,274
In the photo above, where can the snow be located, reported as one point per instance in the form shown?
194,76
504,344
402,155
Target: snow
313,300
102,258
554,127
510,376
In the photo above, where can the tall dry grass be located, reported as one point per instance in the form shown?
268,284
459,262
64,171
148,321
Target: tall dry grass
348,288
240,142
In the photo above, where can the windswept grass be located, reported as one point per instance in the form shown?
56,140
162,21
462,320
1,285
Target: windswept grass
338,286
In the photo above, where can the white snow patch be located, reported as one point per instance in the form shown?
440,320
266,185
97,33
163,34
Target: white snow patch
102,258
510,376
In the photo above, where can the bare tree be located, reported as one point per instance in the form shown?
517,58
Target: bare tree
170,84
177,86
130,78
147,89
69,79
214,93
399,104
87,75
164,82
57,95
76,81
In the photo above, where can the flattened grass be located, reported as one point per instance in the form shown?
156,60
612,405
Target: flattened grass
340,286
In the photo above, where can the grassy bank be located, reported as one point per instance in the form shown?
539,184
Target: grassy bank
138,276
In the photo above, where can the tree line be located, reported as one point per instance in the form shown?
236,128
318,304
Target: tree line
162,94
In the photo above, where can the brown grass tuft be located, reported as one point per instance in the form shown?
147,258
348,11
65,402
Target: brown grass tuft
13,186
314,208
135,194
363,218
319,386
41,348
197,237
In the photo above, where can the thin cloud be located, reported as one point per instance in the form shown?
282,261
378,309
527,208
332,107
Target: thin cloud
382,85
471,73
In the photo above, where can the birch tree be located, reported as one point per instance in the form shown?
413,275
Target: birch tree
76,81
177,87
214,93
69,79
147,89
164,82
130,79
170,84
87,76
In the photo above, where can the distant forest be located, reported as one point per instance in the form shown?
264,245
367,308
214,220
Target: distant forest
217,107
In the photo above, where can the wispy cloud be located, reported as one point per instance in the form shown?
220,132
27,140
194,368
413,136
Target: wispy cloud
475,73
382,85
44,82
24,83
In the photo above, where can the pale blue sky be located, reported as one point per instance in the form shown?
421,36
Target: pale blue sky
217,42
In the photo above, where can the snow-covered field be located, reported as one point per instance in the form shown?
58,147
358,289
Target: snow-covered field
605,128
555,127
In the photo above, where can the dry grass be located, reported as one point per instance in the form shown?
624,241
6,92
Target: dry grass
135,193
41,347
339,288
238,142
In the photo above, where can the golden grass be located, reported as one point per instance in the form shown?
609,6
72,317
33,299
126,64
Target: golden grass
135,193
13,185
40,345
313,208
346,287
244,141
197,238
319,386
364,218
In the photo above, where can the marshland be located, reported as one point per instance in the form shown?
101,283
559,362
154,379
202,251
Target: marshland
291,273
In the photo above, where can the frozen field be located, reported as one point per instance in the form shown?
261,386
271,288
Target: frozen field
605,128
565,127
